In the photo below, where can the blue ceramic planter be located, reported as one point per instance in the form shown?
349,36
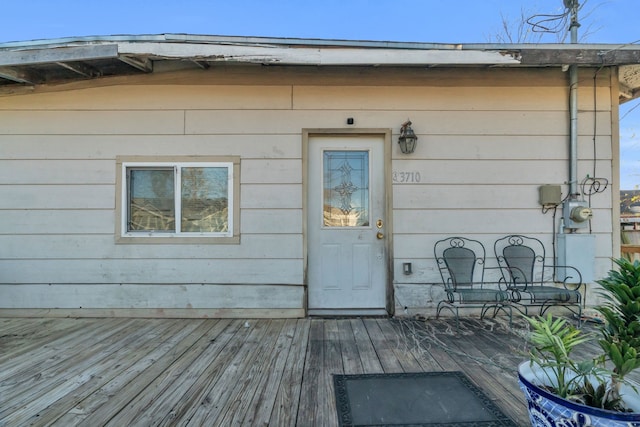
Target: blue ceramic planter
548,410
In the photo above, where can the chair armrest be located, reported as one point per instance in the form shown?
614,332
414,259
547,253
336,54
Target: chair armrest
501,281
570,273
450,284
514,277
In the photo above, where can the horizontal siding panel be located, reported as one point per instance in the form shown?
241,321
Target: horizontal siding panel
110,146
258,221
271,196
57,197
426,272
65,221
603,168
468,221
465,197
461,197
154,97
271,171
259,246
95,221
255,271
509,92
602,221
486,172
426,98
504,147
57,172
442,98
91,122
424,122
291,122
420,246
134,296
101,221
60,147
486,238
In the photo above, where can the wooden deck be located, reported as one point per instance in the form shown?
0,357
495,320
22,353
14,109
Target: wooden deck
150,372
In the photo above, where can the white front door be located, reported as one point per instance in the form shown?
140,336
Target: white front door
347,262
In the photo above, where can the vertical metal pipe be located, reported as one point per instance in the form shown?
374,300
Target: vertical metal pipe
573,107
573,131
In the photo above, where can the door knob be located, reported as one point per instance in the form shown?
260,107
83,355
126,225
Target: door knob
379,235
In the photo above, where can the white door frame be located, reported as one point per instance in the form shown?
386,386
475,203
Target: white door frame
385,134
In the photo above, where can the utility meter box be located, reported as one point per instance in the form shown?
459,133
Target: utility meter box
549,195
576,214
579,251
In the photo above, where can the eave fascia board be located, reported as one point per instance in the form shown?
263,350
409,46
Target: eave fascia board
45,55
315,55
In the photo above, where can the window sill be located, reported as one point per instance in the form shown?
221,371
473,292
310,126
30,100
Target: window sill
177,240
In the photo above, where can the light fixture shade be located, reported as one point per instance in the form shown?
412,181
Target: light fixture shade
407,139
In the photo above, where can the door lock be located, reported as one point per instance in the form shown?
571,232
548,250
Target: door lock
379,223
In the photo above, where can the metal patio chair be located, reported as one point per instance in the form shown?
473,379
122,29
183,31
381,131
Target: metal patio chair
461,263
532,282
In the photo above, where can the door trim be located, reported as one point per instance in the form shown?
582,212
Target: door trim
386,135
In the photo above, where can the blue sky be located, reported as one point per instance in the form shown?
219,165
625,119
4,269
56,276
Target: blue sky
452,21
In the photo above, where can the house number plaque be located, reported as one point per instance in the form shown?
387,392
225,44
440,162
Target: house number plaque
404,177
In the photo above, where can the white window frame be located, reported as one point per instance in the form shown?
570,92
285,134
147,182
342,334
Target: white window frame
123,235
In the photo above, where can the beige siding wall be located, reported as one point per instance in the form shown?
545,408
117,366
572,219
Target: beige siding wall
488,139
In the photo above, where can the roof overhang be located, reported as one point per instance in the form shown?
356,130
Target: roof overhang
39,62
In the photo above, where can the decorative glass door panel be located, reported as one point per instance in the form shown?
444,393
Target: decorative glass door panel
345,189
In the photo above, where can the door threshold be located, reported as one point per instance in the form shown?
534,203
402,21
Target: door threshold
346,312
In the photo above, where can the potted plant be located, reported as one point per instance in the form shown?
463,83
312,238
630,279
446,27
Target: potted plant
562,391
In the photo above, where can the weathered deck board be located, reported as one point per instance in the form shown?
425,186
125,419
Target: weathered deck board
104,374
182,380
259,409
245,390
370,362
117,397
166,372
287,402
308,408
220,395
350,356
482,371
332,364
407,359
383,348
53,373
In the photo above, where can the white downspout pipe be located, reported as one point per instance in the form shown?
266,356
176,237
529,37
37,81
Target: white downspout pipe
573,109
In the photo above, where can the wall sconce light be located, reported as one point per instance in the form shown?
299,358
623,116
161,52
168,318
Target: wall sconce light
407,139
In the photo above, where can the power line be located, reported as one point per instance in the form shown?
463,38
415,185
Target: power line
630,110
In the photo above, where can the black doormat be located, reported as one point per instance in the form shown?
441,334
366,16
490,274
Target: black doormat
444,399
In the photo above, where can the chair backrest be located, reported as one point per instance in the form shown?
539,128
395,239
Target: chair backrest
522,259
460,261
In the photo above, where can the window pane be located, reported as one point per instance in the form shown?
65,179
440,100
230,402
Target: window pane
151,198
346,188
205,199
